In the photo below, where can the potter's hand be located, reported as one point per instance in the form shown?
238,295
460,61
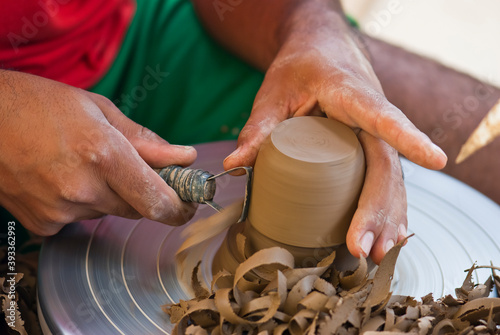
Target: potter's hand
380,219
319,68
324,72
315,65
67,154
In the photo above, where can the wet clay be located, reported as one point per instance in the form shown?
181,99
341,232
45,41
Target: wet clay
307,180
304,257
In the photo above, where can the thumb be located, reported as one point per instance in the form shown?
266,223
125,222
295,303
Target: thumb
267,113
250,139
152,148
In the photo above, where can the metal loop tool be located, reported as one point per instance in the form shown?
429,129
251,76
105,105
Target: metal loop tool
196,185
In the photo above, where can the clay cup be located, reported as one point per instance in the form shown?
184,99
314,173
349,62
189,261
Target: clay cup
307,181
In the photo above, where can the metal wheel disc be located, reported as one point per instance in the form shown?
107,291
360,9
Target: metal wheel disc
112,275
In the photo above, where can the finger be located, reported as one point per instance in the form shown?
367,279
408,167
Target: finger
364,107
380,220
85,195
152,148
88,199
108,202
145,191
267,112
251,137
48,220
387,238
136,183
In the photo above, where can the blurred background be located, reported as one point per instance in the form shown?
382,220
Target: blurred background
463,34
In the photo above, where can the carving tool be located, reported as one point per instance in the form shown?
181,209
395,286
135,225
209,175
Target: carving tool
197,185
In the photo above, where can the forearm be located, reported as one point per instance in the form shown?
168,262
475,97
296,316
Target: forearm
445,104
256,30
316,65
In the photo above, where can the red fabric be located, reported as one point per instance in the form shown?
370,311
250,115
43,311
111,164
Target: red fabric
71,41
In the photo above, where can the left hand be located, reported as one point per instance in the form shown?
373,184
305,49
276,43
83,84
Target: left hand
380,219
324,72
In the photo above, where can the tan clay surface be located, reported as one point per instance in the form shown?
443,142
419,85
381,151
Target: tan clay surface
304,257
307,180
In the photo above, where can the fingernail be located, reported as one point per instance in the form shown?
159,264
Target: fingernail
233,154
438,150
367,243
388,245
185,147
402,231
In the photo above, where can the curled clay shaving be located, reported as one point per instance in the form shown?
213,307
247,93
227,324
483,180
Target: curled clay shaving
325,304
198,236
355,278
487,130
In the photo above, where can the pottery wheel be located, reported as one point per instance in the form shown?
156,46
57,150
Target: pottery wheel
111,275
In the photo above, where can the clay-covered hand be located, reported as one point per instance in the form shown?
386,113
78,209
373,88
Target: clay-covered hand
380,220
67,154
322,69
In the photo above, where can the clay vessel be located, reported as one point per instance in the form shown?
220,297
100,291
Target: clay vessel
307,180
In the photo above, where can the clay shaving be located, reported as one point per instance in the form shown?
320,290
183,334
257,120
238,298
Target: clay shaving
267,295
487,131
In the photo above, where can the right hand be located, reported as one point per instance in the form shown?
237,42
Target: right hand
67,154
